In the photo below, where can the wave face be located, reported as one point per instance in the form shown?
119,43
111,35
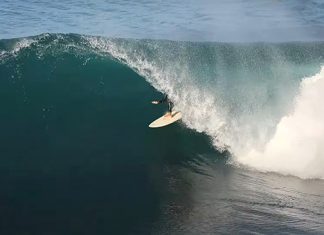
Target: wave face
260,101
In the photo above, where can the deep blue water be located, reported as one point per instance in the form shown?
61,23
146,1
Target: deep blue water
76,153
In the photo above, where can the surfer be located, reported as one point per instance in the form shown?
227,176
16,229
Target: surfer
165,100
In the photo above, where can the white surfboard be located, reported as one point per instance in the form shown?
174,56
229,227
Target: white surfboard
164,121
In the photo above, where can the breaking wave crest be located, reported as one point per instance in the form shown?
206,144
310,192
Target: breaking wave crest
261,102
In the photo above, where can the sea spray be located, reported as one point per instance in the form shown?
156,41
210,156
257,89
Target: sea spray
244,122
297,147
171,77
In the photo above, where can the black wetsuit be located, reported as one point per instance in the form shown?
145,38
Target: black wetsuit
170,104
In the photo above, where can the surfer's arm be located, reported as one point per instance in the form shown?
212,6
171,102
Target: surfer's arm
157,102
165,98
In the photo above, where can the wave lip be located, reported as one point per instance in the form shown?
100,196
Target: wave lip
297,147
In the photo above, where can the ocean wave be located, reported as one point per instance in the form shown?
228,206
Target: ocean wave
240,95
268,146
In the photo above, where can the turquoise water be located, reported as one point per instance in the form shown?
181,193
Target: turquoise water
76,82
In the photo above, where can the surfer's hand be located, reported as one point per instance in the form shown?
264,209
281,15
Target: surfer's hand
155,102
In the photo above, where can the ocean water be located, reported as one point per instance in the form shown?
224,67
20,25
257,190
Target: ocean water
204,20
76,82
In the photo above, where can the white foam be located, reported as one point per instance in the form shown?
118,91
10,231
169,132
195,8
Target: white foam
21,44
3,55
297,147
